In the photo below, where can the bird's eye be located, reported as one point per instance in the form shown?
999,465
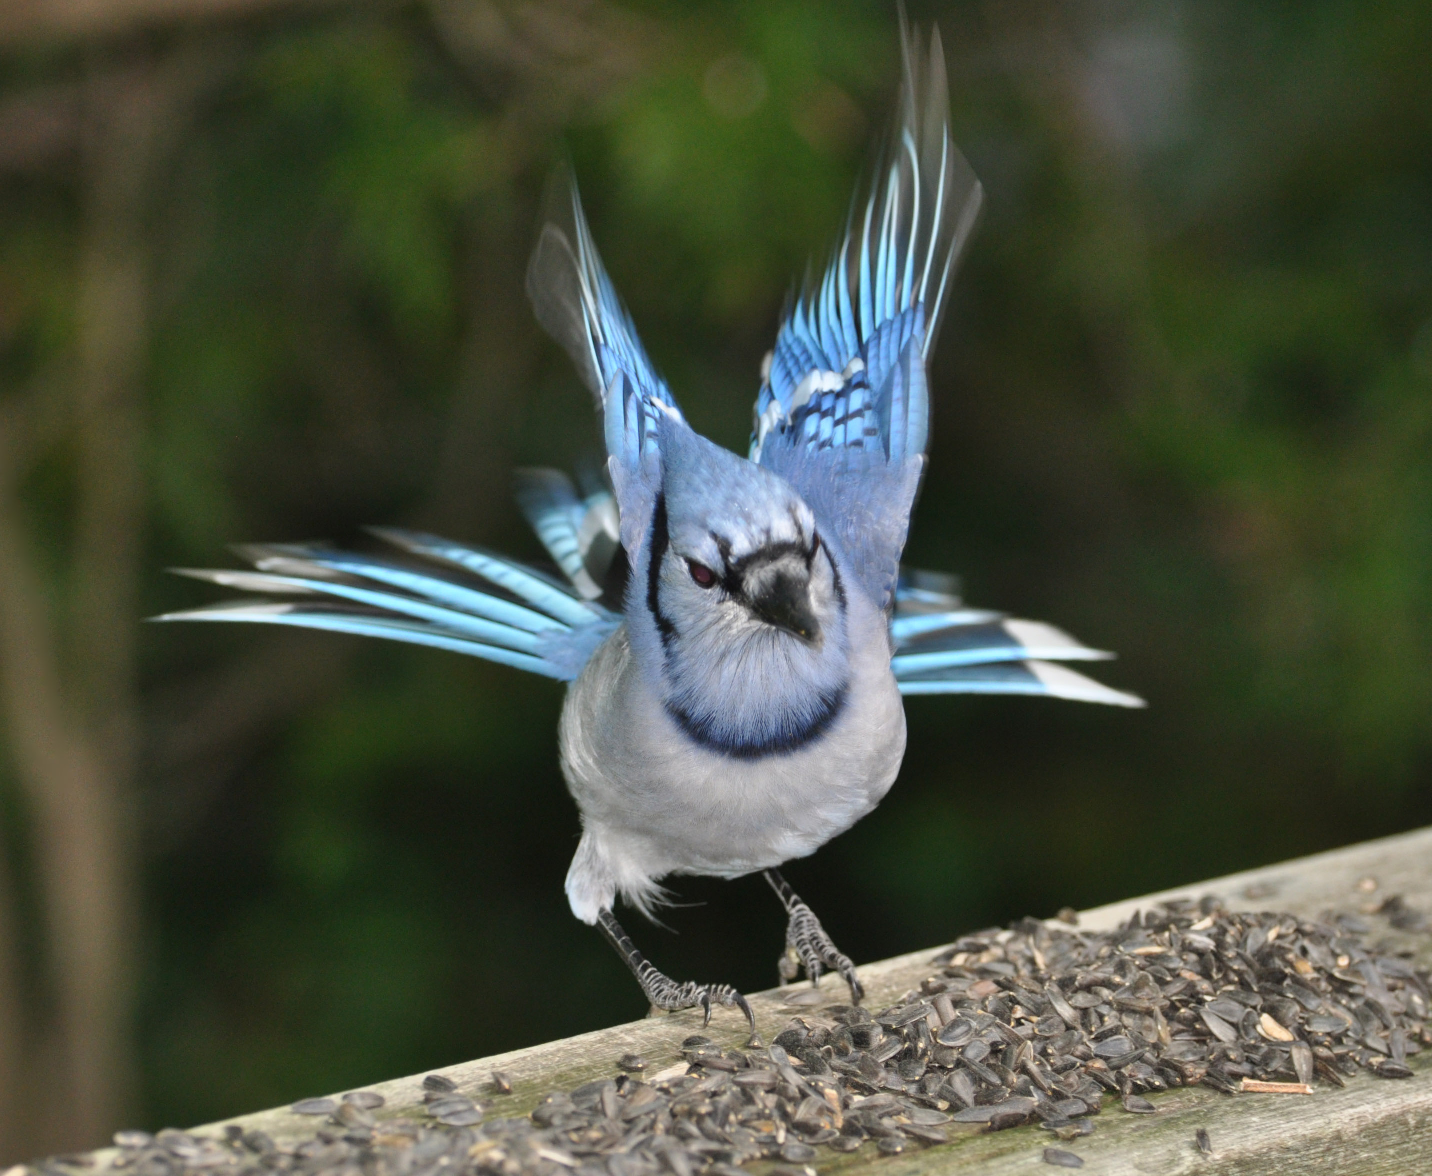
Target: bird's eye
704,576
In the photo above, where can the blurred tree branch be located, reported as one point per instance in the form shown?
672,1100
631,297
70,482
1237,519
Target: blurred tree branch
547,61
72,802
14,640
75,746
39,126
29,21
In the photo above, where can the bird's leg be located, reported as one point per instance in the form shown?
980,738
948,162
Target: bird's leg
664,992
807,944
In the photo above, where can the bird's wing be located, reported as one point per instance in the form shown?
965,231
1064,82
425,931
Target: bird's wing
843,412
577,304
472,602
581,533
941,647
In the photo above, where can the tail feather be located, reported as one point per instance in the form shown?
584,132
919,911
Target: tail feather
1017,677
554,599
336,620
905,629
318,563
443,619
942,647
508,614
968,644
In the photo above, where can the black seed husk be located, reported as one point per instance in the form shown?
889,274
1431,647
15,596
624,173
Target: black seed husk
1033,1024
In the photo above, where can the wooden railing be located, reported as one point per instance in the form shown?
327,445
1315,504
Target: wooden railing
1372,1125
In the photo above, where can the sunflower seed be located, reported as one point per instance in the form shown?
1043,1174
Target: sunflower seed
956,1033
1113,1047
1220,1028
314,1106
924,1133
462,1117
1036,1020
352,1115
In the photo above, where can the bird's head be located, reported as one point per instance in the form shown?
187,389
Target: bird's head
744,600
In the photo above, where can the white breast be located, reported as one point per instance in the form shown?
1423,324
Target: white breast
653,803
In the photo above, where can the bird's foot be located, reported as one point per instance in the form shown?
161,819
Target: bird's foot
807,944
665,993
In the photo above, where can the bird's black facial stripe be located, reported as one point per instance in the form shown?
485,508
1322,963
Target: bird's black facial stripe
730,583
660,540
771,552
733,575
839,586
723,547
715,737
734,571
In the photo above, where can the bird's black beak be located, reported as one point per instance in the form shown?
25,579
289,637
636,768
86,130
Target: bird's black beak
780,595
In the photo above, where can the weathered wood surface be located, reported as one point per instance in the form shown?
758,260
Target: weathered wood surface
1372,1126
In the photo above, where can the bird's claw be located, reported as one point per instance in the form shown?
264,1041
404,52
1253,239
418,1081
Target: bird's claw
672,997
666,994
728,996
808,943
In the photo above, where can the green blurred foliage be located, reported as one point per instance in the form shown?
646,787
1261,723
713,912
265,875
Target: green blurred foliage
1183,408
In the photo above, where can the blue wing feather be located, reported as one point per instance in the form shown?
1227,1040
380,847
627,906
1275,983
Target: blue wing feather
318,562
579,533
575,301
551,505
847,374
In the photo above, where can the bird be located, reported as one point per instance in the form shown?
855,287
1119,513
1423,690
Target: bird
737,632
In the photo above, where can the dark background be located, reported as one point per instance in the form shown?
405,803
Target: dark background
260,279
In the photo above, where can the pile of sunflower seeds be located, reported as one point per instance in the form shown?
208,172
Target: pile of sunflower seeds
1035,1023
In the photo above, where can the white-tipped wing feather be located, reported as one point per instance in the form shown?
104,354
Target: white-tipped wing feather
941,647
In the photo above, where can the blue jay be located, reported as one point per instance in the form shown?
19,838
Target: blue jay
736,631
